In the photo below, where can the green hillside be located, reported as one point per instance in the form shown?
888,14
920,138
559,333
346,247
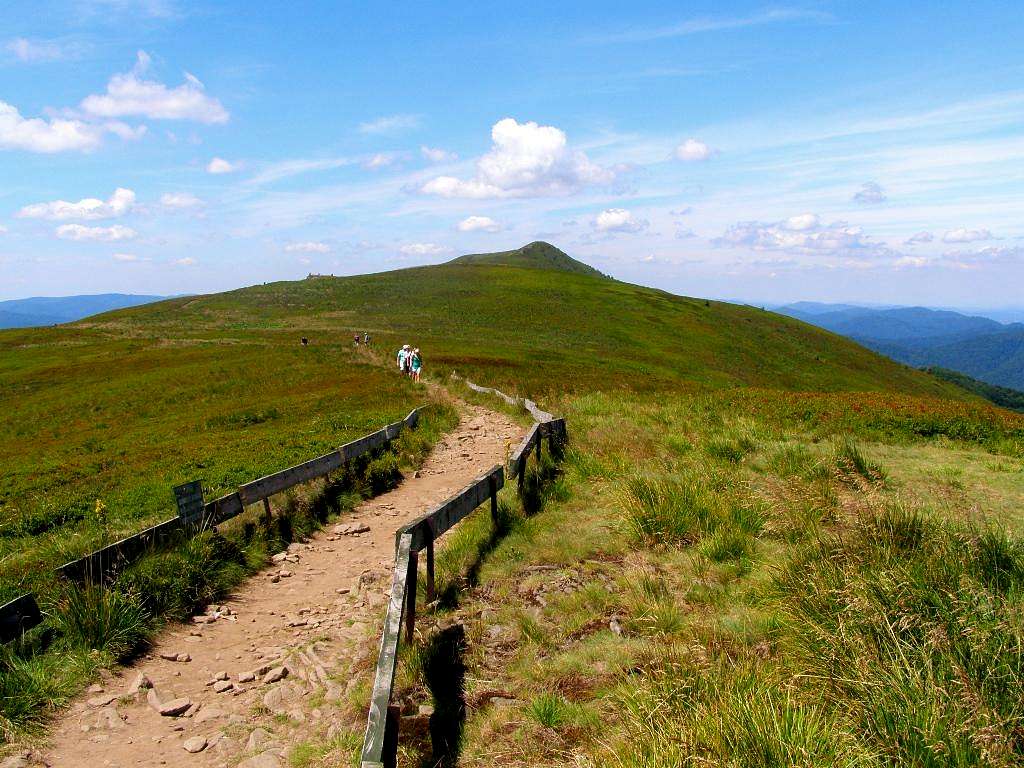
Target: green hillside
543,330
538,255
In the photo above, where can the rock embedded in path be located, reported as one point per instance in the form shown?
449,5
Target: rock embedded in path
275,674
171,708
266,760
223,685
102,700
195,744
351,529
259,739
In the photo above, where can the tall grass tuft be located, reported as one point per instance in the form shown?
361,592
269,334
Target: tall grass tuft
851,461
92,617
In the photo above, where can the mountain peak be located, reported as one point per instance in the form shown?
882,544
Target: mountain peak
536,255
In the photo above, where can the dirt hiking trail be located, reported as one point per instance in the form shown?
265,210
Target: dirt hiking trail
260,673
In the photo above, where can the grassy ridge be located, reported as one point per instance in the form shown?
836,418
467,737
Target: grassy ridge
544,331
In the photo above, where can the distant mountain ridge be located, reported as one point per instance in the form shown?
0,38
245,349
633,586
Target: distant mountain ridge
979,347
535,255
50,310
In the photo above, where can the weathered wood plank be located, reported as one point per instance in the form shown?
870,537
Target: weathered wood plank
257,490
391,431
517,461
413,419
387,658
449,512
97,565
224,508
363,445
19,616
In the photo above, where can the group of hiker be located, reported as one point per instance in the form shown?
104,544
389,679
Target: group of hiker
410,362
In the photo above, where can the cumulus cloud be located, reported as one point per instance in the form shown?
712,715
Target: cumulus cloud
437,155
801,222
130,94
526,160
693,150
186,261
870,193
220,165
36,134
618,220
423,249
478,224
308,246
390,124
915,262
81,232
684,233
179,201
919,237
87,209
962,235
128,258
802,234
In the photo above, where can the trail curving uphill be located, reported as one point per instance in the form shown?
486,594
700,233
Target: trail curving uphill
263,674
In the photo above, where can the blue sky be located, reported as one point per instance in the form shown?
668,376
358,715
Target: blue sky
838,151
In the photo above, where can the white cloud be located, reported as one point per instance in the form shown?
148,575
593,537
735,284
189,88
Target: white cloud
618,220
380,160
179,201
436,155
220,165
870,192
187,261
128,258
919,237
390,124
309,246
100,234
962,235
837,238
801,222
693,150
703,24
3,229
526,160
46,136
911,261
423,249
685,234
131,94
478,224
88,209
41,51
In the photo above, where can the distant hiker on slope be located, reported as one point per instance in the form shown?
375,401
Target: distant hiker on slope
416,363
403,359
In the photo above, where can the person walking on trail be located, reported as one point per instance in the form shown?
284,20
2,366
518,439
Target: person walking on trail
416,364
403,359
366,339
355,339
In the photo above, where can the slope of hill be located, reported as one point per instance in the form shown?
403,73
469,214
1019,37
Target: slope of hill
546,329
1004,396
539,255
977,346
49,310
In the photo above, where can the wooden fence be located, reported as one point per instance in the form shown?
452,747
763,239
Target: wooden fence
380,744
22,613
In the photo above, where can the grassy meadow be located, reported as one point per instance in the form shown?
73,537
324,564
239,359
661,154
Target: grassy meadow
96,429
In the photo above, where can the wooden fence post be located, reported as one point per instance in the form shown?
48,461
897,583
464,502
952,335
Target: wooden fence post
430,567
492,483
410,596
389,755
267,515
540,441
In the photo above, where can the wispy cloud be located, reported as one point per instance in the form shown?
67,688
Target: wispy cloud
390,124
39,51
702,24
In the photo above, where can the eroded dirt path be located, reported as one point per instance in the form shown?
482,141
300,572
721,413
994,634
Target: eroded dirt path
307,617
